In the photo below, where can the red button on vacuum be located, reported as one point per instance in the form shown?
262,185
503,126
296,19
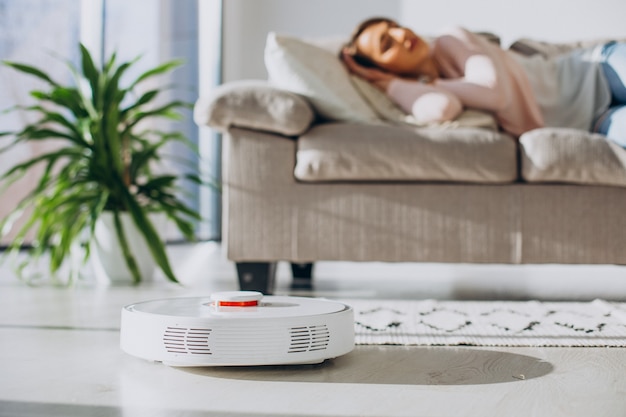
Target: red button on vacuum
236,298
238,303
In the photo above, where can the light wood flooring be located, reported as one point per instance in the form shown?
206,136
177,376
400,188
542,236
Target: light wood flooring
60,356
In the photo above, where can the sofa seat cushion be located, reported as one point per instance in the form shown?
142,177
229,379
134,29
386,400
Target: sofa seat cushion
357,152
571,156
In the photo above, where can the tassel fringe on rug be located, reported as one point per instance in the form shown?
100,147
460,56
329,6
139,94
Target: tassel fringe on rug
596,323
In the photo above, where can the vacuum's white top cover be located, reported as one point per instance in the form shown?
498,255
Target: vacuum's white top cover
268,307
237,328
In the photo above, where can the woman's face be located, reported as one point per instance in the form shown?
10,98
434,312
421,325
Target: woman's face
393,48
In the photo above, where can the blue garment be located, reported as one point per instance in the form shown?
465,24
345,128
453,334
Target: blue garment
612,123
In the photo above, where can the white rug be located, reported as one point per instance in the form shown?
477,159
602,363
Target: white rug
489,323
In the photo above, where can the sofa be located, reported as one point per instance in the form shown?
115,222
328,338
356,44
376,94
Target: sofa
315,167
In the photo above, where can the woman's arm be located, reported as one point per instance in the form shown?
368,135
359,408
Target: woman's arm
377,77
427,103
483,76
472,69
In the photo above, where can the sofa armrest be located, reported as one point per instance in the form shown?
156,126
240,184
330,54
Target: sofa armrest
254,104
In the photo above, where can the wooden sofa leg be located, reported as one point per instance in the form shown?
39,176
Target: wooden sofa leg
302,276
256,276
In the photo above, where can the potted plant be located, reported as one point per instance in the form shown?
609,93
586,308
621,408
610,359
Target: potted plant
106,164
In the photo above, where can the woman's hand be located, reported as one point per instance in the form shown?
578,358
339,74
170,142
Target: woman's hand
377,77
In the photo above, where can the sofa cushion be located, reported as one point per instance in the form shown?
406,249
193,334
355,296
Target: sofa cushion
571,156
317,74
254,105
355,152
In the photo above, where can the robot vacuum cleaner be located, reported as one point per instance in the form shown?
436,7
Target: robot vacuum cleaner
237,328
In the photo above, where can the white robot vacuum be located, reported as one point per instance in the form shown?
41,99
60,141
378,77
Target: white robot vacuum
237,328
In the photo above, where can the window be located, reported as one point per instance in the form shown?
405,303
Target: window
37,32
47,32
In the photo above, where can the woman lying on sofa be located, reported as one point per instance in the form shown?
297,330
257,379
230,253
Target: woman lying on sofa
584,89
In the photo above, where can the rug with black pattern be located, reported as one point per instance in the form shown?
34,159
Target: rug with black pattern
489,323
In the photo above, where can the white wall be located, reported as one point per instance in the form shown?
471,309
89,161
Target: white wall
552,20
247,22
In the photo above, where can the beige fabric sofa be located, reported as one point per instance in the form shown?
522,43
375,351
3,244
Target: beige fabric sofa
301,189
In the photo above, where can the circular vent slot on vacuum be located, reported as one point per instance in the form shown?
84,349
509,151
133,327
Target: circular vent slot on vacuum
187,340
308,338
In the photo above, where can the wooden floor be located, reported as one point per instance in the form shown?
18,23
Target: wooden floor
60,356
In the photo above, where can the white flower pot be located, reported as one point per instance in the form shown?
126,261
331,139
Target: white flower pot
109,265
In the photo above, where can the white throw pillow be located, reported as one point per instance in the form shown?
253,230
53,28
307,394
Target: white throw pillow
317,74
